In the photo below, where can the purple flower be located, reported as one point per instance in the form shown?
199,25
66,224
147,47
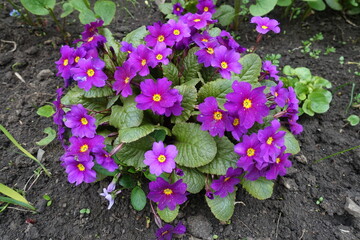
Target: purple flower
226,184
127,47
159,33
198,21
166,232
81,147
78,54
202,38
79,171
279,166
207,54
179,30
270,70
206,6
295,127
156,96
177,9
166,194
249,104
213,119
176,109
270,140
161,159
237,129
141,59
89,73
93,42
59,114
65,62
161,52
209,194
265,24
81,124
108,196
92,28
103,158
227,61
249,151
123,76
280,94
229,42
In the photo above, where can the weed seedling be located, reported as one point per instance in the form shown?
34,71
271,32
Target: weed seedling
307,49
274,58
341,60
353,120
329,50
48,199
320,200
85,211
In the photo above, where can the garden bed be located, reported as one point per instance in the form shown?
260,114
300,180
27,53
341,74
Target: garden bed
292,211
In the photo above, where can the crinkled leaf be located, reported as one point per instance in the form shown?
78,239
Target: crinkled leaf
251,68
218,89
73,96
194,179
222,208
196,147
171,73
159,135
126,116
132,134
191,65
262,7
110,40
96,92
106,10
260,188
214,32
132,154
136,37
87,16
51,136
45,111
127,181
189,94
38,7
292,145
224,158
138,198
103,171
225,14
167,215
112,101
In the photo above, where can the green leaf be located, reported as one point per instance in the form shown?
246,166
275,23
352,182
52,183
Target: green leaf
126,116
106,10
214,32
194,179
167,215
196,147
318,5
73,96
51,136
260,188
307,108
292,145
127,135
191,65
80,5
284,3
222,208
251,68
303,73
45,111
188,102
87,16
320,82
96,92
16,202
110,40
127,181
138,198
353,120
166,8
225,14
301,90
218,89
38,7
132,154
101,170
136,37
334,4
262,7
320,99
159,135
12,194
171,73
224,158
67,9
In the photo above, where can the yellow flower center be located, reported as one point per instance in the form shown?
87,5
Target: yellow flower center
206,9
143,62
157,97
247,103
278,160
224,65
162,158
276,94
226,179
236,122
168,191
90,39
264,27
177,9
161,38
84,148
84,121
128,51
77,59
81,167
159,56
204,40
270,140
127,80
66,62
197,20
217,115
250,152
176,32
164,233
210,50
90,72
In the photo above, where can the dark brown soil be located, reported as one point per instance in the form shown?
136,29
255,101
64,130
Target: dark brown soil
291,213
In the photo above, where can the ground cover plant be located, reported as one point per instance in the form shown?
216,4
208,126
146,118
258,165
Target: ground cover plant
84,208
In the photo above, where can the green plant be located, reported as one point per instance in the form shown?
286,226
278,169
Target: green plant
310,90
13,197
341,60
48,199
353,120
85,211
274,58
329,49
307,49
320,200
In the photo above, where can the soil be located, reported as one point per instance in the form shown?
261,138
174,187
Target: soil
292,211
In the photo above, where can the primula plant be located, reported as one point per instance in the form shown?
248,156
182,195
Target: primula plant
179,103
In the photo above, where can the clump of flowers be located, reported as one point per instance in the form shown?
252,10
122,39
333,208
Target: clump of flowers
175,102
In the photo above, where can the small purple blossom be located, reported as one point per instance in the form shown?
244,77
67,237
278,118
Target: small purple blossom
226,184
177,9
265,24
209,194
238,130
199,21
249,150
64,64
108,196
280,94
93,42
141,59
59,114
227,61
79,171
167,194
92,28
159,33
104,159
166,232
179,30
206,54
213,119
161,159
161,53
279,166
89,73
127,47
202,38
123,76
270,70
81,124
81,147
206,6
